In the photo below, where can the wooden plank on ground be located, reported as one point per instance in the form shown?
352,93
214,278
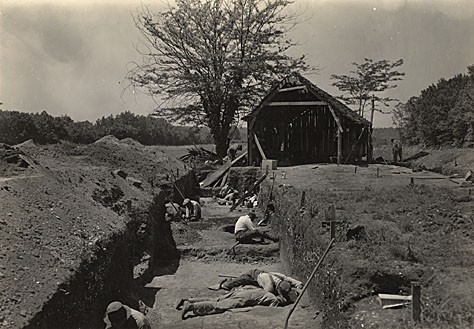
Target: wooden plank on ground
254,186
213,177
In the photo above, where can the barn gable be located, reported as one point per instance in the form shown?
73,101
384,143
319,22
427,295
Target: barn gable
297,123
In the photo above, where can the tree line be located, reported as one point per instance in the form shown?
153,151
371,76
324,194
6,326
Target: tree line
442,115
17,127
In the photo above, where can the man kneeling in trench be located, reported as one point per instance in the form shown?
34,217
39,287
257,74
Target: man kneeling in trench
245,230
241,297
120,316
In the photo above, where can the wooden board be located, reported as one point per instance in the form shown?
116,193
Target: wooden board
213,177
260,149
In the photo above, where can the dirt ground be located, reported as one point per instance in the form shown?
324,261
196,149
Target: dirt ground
58,202
52,198
420,231
209,255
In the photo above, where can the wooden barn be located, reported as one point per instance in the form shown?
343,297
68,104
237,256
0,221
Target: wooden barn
299,123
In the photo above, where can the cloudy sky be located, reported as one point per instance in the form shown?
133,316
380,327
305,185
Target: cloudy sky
71,56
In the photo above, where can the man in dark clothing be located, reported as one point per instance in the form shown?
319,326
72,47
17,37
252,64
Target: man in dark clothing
396,150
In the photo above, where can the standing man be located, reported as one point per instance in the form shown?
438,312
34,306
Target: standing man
232,151
396,150
120,316
245,230
192,210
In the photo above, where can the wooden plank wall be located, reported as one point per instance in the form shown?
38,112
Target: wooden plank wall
312,137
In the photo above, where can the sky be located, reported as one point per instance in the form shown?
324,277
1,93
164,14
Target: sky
70,57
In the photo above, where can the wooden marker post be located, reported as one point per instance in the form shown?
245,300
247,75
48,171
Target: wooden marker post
330,216
332,227
412,181
416,301
303,197
355,170
378,172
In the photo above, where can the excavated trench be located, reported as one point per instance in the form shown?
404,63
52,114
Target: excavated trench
117,265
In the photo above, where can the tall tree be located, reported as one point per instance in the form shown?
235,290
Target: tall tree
365,84
214,59
443,114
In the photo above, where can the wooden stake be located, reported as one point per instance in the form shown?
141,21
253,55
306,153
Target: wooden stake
355,170
332,226
412,181
303,197
378,172
416,301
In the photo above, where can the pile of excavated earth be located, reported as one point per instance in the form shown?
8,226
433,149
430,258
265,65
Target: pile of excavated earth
63,206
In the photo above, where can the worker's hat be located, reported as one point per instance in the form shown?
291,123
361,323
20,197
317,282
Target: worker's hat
284,287
117,312
252,215
186,201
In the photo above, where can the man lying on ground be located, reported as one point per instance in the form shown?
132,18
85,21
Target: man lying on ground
242,297
268,281
245,230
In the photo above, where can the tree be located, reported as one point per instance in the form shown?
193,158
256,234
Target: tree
368,80
213,58
443,114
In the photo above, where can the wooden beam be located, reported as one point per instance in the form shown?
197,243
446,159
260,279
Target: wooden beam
336,118
214,177
416,301
291,88
260,149
303,103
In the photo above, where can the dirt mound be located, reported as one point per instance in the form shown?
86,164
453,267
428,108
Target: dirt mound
446,161
108,139
131,141
27,144
13,162
62,207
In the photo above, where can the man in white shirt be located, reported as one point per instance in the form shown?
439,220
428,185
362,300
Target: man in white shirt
245,230
268,281
192,210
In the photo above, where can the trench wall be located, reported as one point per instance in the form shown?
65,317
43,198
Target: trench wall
302,242
105,272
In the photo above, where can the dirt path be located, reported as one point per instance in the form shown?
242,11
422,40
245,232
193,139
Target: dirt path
204,260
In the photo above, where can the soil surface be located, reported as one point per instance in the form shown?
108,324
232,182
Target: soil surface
206,254
396,226
58,203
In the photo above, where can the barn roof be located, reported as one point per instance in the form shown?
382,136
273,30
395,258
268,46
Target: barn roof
295,81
